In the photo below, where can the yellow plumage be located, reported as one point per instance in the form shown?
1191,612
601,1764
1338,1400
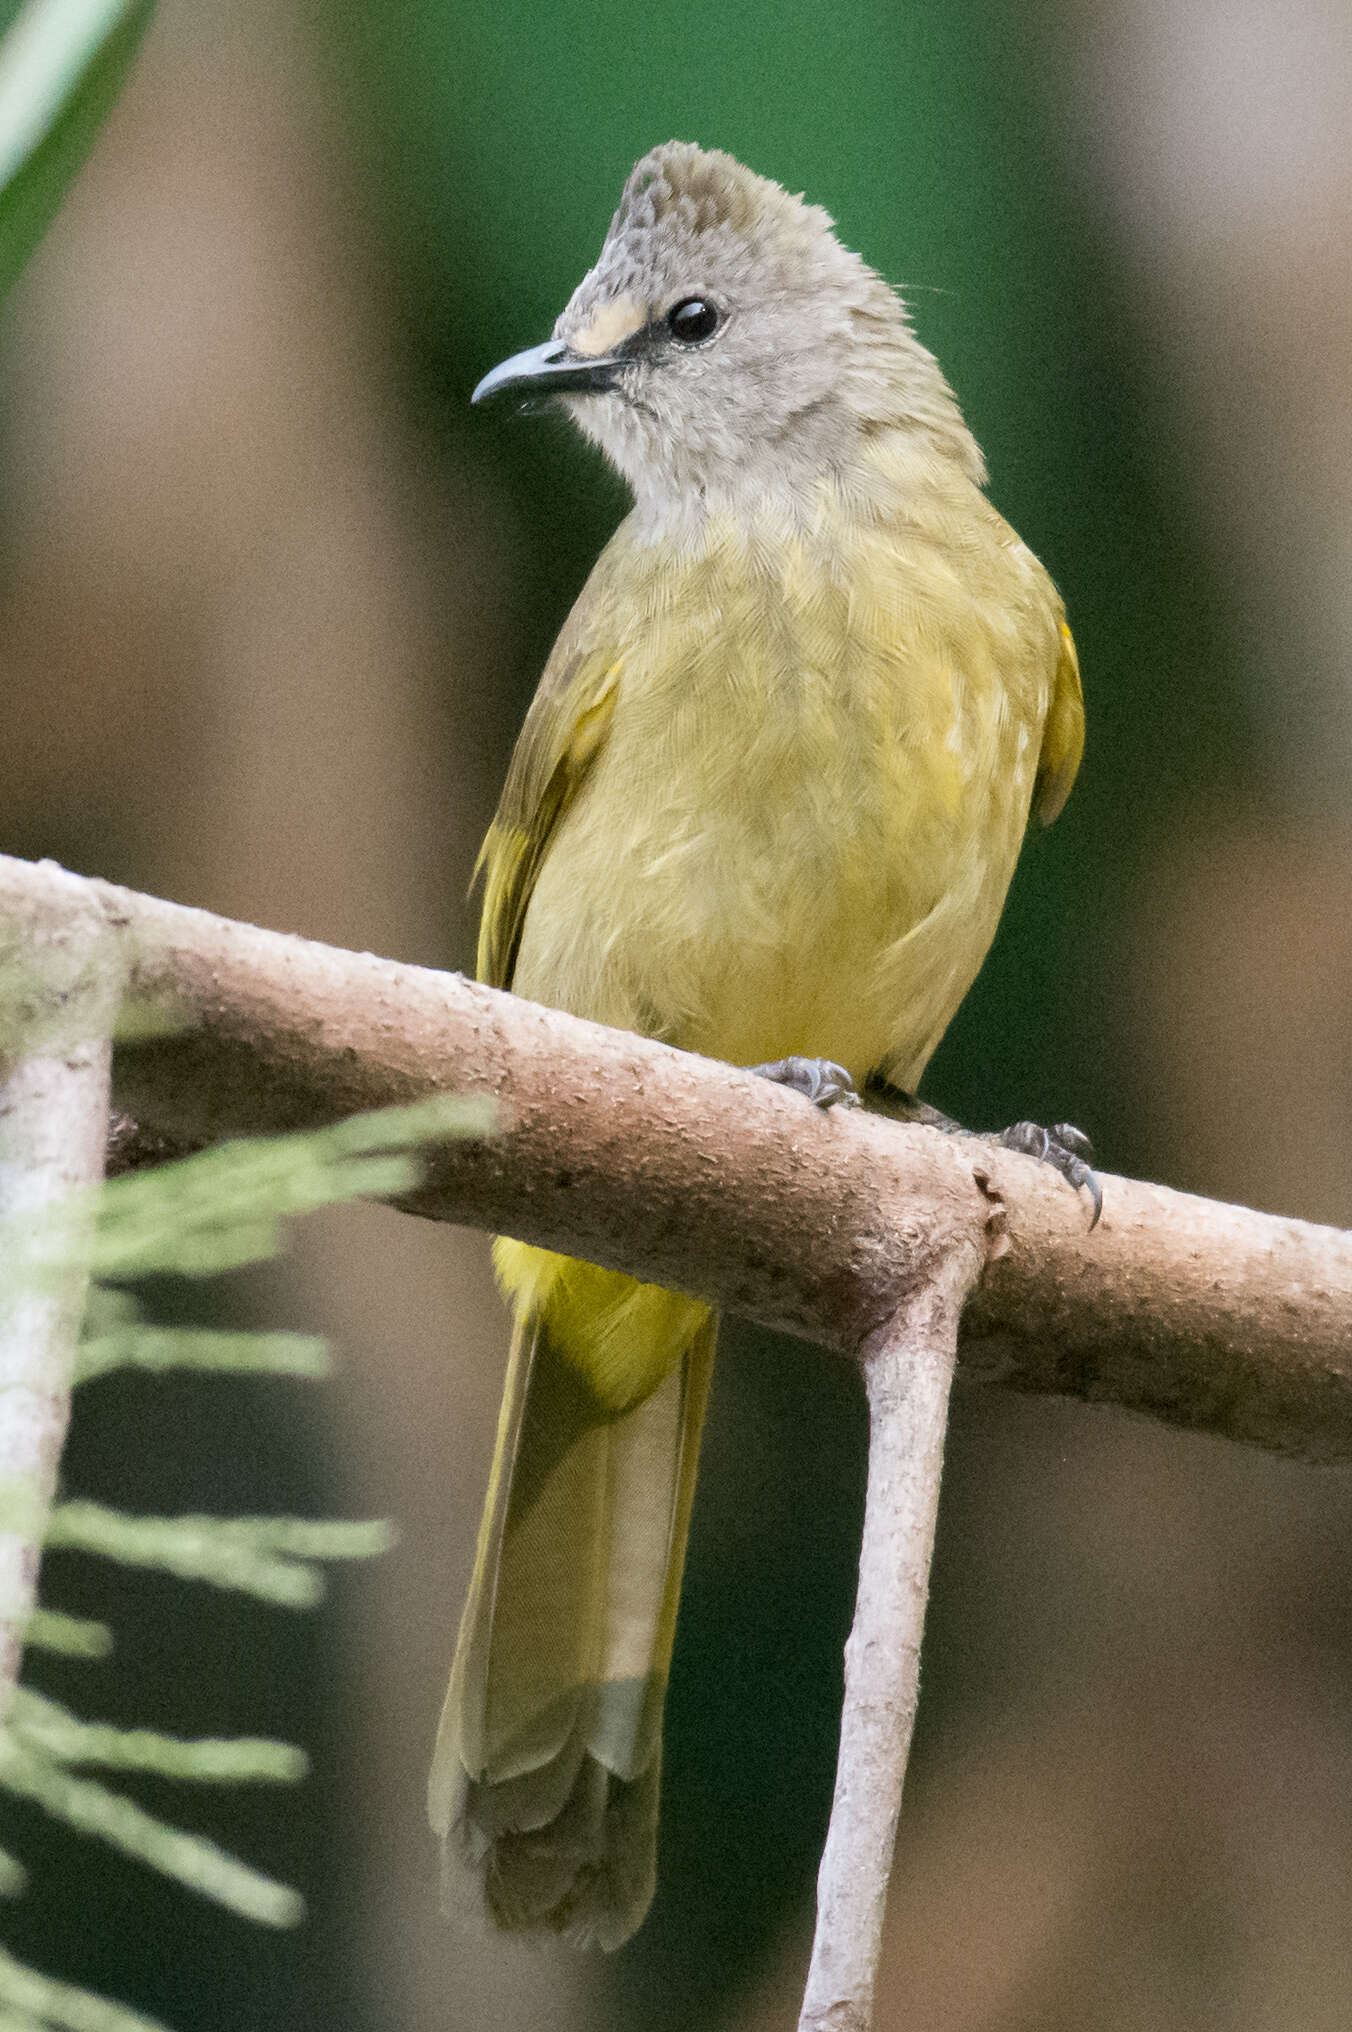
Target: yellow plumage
778,844
767,802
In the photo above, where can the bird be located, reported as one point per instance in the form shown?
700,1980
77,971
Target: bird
765,806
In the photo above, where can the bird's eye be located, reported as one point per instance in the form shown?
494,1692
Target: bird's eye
693,320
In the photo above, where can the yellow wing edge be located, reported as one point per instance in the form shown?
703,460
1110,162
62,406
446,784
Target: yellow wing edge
1062,736
539,789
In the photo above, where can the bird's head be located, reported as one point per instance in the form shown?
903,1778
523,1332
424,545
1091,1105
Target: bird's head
726,339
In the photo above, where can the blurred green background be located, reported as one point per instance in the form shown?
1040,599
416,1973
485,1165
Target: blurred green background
274,602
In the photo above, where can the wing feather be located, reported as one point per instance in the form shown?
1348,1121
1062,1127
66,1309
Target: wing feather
563,734
1062,736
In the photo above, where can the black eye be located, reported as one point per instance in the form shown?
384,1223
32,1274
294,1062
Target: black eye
693,320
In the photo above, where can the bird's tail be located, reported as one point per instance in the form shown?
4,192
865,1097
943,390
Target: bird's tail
545,1777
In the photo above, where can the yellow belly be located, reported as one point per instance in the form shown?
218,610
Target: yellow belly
799,834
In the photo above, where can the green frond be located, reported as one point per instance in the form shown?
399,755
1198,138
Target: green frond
46,1726
72,1636
318,1537
264,1556
190,1859
33,2000
136,1346
225,1207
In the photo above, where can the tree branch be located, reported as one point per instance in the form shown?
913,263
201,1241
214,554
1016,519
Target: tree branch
908,1370
696,1175
54,1078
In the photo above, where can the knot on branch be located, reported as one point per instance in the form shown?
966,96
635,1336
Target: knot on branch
995,1227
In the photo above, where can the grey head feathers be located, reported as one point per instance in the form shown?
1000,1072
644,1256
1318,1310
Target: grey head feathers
810,356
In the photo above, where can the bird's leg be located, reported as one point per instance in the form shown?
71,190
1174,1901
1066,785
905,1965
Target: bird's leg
819,1080
1063,1146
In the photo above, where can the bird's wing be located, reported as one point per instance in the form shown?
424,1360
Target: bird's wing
1062,736
564,731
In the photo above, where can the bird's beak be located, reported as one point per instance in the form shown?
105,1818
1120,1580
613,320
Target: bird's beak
549,370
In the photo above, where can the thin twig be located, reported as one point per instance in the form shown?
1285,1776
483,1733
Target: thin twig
54,1086
908,1371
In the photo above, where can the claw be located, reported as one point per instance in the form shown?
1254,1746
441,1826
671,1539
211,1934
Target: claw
819,1080
1066,1149
1073,1139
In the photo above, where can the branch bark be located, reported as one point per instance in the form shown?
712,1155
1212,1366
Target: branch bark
908,1370
54,1084
700,1176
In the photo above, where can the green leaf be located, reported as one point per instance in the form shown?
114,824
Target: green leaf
62,66
56,1733
136,1346
263,1556
191,1859
72,1636
36,2000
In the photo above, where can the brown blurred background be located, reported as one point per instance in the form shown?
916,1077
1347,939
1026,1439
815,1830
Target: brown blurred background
271,605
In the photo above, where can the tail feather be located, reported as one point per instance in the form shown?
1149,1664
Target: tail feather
590,1876
546,1773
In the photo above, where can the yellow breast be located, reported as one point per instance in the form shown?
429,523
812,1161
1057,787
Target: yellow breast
799,834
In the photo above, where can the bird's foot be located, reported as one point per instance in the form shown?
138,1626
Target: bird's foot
818,1080
1066,1148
